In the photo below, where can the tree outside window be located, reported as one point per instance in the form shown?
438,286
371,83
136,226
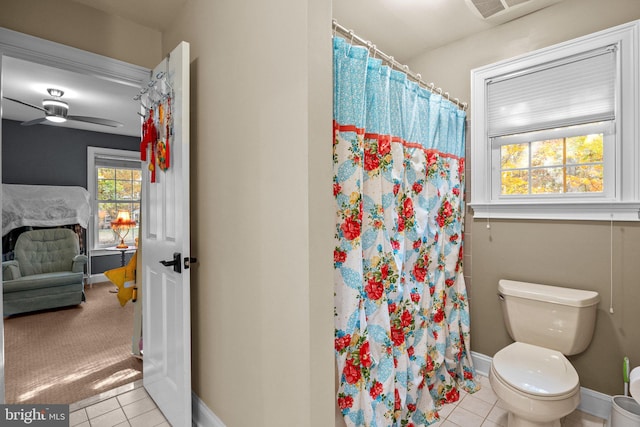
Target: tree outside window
118,188
553,166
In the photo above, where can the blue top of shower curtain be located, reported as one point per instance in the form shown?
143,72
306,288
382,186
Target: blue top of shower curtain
379,100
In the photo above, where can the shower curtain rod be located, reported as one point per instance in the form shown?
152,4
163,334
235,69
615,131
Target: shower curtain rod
395,64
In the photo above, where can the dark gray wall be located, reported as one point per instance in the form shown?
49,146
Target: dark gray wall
52,155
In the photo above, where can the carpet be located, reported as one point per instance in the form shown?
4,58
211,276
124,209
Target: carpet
66,355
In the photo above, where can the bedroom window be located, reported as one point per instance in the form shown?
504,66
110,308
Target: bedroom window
554,132
116,185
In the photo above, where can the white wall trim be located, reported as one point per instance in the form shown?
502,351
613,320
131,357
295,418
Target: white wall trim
201,415
595,403
592,402
482,363
97,278
46,52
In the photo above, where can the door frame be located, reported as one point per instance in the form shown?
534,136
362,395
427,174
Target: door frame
45,52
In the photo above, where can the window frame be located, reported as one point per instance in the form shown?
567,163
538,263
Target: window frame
622,198
92,187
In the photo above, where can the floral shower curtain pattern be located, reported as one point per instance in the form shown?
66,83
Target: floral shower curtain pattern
401,310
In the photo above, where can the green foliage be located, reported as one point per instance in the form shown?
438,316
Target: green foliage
118,189
553,166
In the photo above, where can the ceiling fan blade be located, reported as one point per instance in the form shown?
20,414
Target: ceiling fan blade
96,121
33,122
24,103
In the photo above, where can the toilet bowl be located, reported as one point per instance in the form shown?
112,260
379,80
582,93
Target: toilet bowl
531,377
536,385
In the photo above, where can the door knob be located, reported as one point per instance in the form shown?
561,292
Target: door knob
176,262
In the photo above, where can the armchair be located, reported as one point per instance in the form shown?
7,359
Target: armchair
47,272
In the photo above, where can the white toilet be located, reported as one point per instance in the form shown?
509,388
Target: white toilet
532,377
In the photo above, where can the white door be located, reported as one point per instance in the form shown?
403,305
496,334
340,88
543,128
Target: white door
165,237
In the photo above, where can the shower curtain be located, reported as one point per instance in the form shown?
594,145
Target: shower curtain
401,309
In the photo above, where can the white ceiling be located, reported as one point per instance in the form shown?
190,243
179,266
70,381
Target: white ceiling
86,96
407,28
400,28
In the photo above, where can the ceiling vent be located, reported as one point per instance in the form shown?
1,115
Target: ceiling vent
500,11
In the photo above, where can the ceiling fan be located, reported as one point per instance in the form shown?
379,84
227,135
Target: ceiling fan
56,110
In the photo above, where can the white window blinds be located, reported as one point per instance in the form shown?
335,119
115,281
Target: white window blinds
116,162
576,90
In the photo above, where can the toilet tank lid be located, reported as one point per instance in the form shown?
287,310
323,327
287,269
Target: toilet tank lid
552,294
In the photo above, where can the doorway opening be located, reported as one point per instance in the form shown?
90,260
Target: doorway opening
31,157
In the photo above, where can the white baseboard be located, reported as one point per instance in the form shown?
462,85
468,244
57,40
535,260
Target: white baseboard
97,278
595,403
481,363
201,414
592,402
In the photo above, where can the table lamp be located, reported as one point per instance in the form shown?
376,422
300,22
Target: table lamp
121,226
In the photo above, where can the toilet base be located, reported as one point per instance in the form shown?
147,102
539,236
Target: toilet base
516,421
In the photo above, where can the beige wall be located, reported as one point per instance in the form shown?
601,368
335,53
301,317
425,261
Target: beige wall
262,292
262,222
85,28
572,254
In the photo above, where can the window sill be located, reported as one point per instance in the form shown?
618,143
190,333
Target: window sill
106,252
585,211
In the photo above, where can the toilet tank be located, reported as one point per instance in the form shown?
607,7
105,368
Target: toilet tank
561,319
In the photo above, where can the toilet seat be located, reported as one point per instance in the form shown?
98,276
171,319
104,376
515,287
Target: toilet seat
536,371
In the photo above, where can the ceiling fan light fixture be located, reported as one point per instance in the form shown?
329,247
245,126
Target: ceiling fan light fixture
56,93
56,110
56,119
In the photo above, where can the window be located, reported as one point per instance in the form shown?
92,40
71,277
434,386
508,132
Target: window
565,162
552,137
553,166
115,183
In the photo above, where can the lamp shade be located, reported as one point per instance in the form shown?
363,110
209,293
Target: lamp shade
123,220
121,226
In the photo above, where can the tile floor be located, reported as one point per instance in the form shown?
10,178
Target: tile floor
481,409
131,406
126,406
